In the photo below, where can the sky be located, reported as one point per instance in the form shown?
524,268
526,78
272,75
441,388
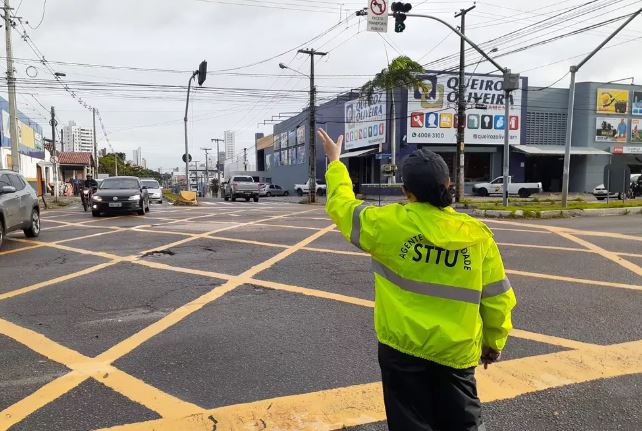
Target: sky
242,40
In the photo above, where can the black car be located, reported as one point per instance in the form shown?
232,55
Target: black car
120,195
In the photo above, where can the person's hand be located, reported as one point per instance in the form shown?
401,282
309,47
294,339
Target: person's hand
332,149
489,356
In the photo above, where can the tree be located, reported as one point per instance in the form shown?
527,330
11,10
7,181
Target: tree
401,72
108,165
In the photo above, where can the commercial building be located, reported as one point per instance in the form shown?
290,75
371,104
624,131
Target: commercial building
607,127
77,139
138,157
230,144
34,158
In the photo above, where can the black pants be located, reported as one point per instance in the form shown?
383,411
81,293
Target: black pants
421,395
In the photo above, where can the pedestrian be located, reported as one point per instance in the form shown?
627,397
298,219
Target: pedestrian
442,299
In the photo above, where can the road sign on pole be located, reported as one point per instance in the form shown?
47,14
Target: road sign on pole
378,16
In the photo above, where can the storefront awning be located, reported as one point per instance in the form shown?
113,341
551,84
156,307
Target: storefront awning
558,150
357,153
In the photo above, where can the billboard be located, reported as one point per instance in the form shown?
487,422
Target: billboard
365,123
636,131
610,129
30,141
300,135
636,105
611,101
432,116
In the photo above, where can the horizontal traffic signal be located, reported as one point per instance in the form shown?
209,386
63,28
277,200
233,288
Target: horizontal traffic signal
399,11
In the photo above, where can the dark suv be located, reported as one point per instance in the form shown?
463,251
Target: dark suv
18,206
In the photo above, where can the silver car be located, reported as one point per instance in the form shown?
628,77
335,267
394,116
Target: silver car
18,206
272,190
154,190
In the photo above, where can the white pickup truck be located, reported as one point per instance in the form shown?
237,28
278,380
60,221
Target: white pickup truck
302,189
240,186
496,187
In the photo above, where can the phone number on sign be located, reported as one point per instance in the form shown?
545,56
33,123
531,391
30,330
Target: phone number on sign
436,135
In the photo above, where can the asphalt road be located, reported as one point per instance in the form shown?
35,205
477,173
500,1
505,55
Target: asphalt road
244,316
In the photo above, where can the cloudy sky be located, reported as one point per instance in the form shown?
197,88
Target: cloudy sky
105,39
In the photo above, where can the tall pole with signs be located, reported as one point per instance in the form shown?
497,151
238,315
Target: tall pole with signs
11,87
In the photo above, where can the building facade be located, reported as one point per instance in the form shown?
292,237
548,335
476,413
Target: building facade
137,157
230,144
607,127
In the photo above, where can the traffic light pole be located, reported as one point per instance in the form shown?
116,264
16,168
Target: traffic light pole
218,163
189,87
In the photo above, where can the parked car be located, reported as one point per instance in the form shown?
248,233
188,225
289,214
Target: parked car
240,186
154,189
273,190
18,206
302,189
600,191
119,195
496,187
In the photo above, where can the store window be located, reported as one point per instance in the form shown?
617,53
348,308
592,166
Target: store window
477,167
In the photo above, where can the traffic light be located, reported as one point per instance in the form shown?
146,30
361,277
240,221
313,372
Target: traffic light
399,11
202,72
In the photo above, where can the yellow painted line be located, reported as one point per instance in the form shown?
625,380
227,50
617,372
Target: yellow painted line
16,250
613,257
109,232
247,241
77,250
550,339
287,226
311,292
520,230
612,235
40,398
573,279
544,247
56,280
162,266
327,250
336,409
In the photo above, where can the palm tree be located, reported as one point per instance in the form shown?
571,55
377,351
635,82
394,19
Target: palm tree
401,72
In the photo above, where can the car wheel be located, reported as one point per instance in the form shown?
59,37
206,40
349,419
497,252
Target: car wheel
523,193
599,199
286,193
34,229
233,198
141,211
160,202
256,198
321,192
226,198
299,192
483,192
1,233
95,213
268,194
147,208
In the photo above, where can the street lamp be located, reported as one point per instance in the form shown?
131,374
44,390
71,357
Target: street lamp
201,73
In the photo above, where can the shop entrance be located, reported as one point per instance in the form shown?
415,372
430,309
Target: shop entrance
547,170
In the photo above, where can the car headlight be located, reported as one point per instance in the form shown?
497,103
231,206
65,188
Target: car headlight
134,198
97,198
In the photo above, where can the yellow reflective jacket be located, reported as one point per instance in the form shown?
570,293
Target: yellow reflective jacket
440,287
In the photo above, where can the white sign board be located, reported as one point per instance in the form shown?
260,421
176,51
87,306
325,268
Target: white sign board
378,16
626,150
365,124
432,117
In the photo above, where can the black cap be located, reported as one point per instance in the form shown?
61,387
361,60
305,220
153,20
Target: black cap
425,175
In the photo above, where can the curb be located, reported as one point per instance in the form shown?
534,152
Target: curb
589,212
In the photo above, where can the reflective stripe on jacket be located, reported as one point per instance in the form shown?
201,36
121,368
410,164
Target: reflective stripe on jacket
440,287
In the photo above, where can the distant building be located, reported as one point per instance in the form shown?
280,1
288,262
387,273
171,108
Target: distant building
138,157
77,139
230,144
144,163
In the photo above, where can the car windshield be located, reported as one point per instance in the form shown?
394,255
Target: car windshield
119,184
151,184
243,179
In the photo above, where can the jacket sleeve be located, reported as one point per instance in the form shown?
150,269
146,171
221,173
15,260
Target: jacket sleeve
355,220
498,299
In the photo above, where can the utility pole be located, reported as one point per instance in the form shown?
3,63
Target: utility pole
218,163
207,170
571,107
461,108
93,110
11,86
54,154
312,167
245,159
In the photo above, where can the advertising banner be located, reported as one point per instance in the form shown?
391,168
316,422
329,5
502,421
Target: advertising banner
365,124
636,131
432,117
29,136
610,129
611,101
300,135
277,142
292,138
636,106
300,156
292,156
